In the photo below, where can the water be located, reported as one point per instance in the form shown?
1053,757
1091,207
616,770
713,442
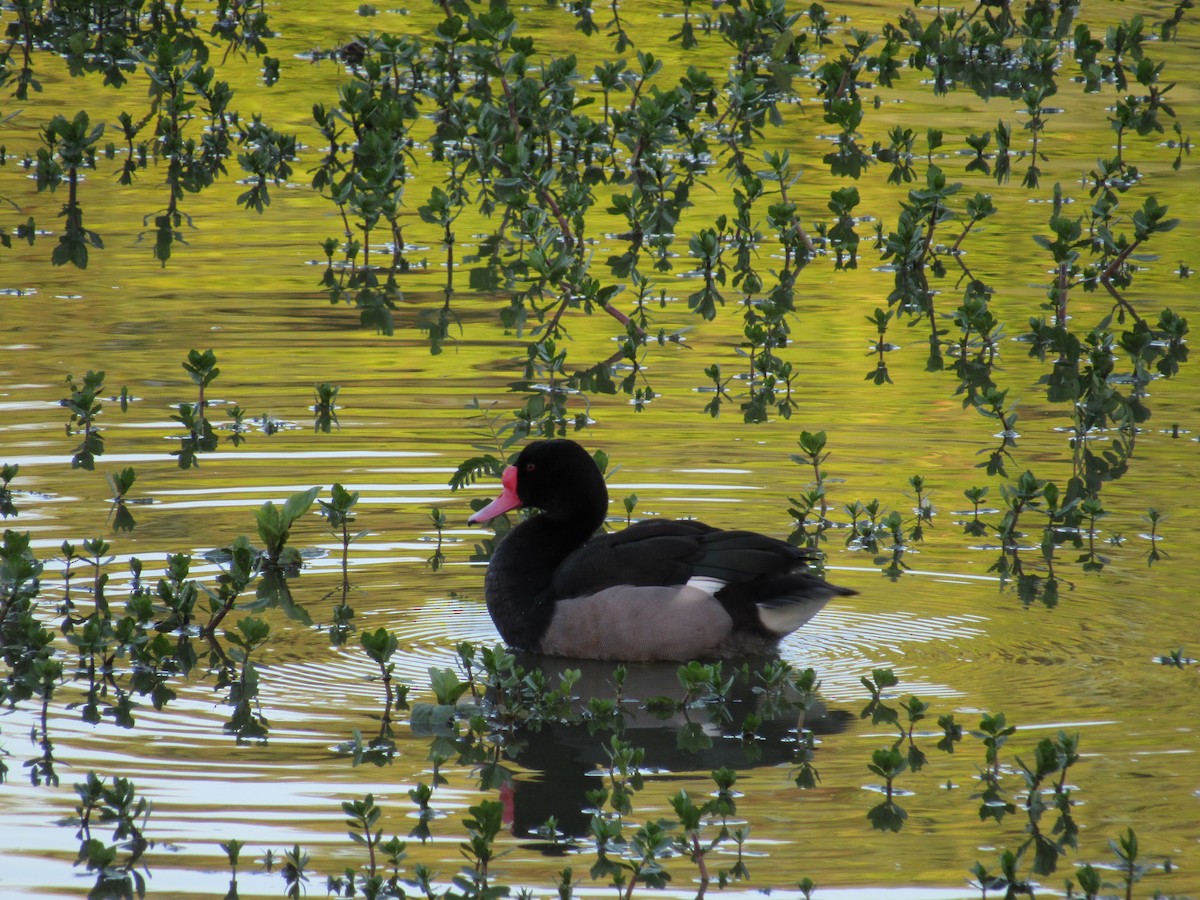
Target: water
954,633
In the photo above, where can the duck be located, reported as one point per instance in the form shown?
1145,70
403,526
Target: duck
658,590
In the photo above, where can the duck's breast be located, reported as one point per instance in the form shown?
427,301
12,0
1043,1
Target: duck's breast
638,623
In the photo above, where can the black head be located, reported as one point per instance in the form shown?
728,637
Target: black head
560,477
556,476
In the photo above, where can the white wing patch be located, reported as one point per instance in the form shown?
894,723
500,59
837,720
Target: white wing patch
706,583
787,617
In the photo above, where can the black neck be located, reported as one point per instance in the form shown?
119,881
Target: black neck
519,577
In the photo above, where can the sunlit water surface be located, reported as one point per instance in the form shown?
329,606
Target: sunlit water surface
953,632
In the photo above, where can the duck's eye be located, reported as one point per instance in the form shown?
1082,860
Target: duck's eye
530,467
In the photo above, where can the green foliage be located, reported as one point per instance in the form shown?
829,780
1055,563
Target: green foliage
279,561
116,864
325,408
121,482
545,149
85,407
493,694
70,145
275,523
550,151
888,815
295,872
7,506
202,369
339,515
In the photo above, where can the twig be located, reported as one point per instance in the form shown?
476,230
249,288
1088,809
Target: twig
1110,270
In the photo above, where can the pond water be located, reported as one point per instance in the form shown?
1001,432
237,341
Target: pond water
956,631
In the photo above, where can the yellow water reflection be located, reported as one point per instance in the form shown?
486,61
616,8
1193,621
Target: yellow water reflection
953,631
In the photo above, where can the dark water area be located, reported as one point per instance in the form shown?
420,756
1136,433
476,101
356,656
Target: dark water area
943,615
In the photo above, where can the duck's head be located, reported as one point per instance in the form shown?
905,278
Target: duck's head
557,476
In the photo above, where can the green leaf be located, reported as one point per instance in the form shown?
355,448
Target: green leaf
446,686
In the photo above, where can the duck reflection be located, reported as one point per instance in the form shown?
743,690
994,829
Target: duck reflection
741,715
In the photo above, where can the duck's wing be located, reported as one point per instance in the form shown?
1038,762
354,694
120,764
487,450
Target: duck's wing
673,552
655,553
734,557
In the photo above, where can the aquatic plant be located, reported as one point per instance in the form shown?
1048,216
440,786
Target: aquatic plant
511,136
